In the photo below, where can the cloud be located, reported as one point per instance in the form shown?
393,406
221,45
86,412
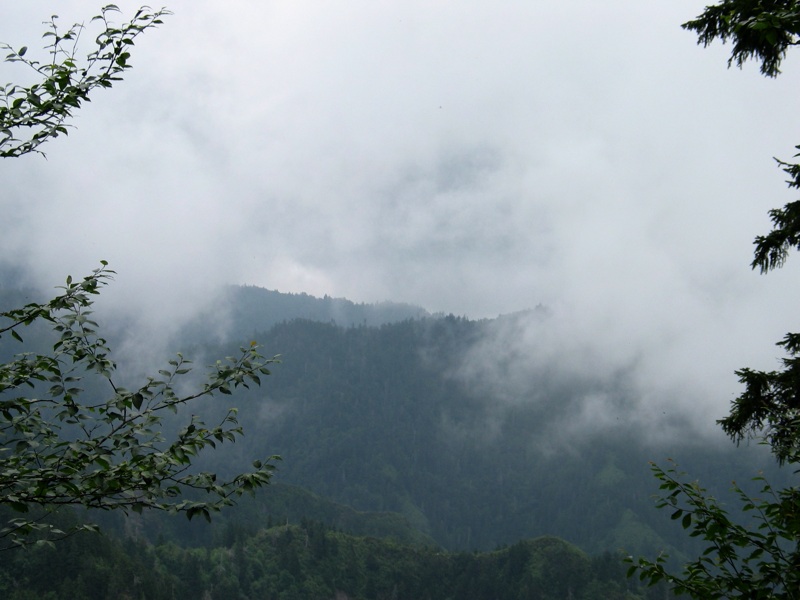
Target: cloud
474,158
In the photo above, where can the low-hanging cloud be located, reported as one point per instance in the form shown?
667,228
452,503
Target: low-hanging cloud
475,159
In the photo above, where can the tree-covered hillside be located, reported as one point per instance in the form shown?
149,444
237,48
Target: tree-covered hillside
385,419
247,310
309,561
407,420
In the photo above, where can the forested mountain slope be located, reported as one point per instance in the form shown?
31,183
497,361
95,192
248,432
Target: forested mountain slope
390,418
446,425
308,561
247,310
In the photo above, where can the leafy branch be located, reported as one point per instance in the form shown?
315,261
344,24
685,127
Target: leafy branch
61,450
758,29
738,562
29,116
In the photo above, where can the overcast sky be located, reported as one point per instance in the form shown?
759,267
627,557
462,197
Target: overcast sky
471,157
